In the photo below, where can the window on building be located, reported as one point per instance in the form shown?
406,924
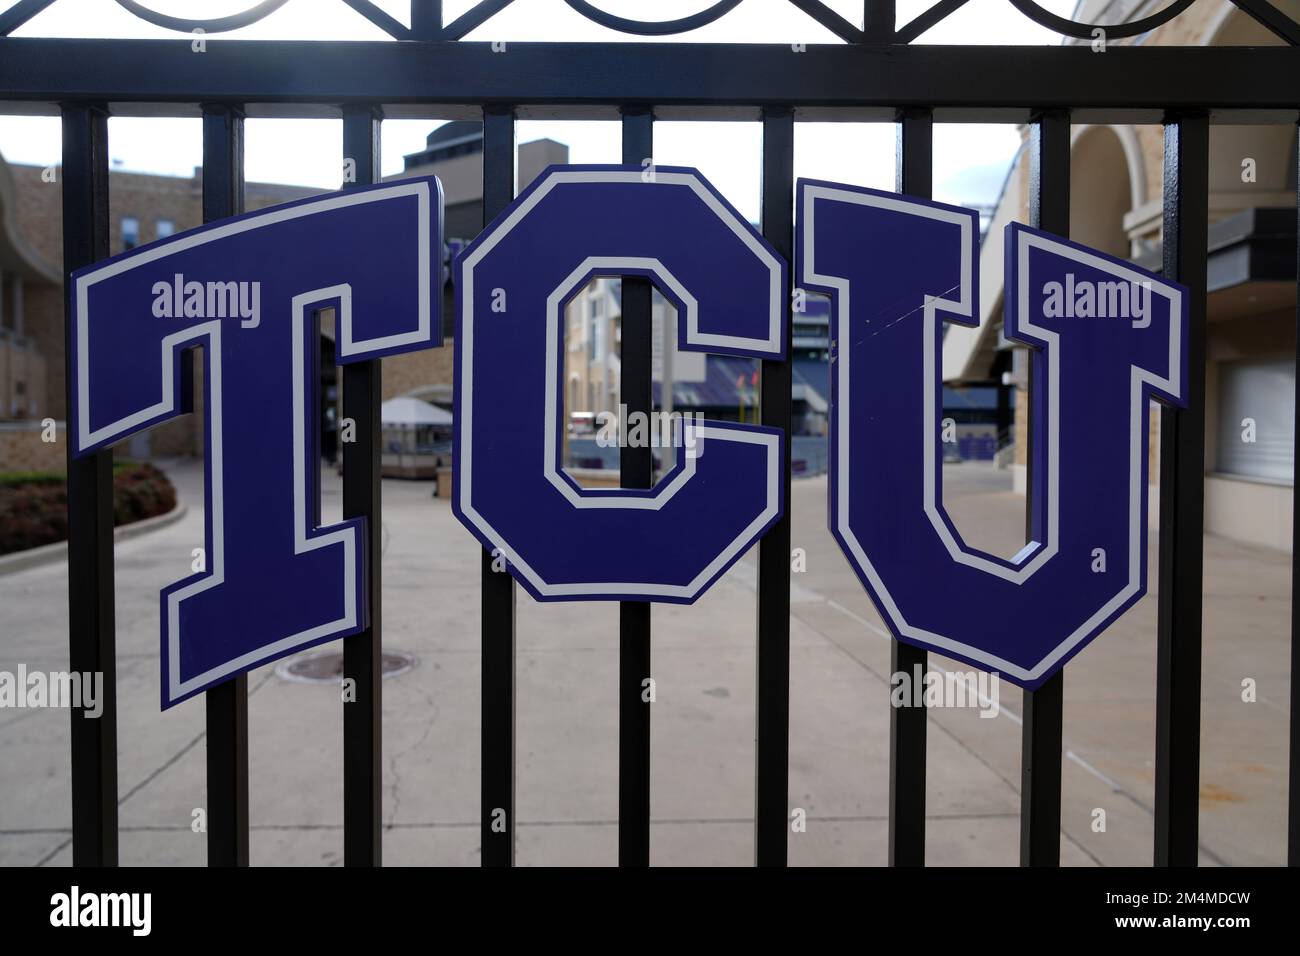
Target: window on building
1257,418
574,336
165,228
130,232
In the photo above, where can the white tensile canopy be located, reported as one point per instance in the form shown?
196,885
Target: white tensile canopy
408,412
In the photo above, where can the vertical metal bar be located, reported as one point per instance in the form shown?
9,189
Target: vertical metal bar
1293,792
1182,499
227,703
878,24
1040,744
1040,774
426,19
1004,418
636,466
91,635
363,498
1049,172
497,806
914,173
773,718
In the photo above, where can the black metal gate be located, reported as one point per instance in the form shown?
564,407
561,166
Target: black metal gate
875,74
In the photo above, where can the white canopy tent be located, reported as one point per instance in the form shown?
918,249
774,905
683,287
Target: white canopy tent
405,411
417,437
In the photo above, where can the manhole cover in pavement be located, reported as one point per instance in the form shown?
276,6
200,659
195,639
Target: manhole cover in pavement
327,668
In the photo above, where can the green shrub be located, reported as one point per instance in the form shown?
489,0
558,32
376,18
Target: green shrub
140,491
12,479
34,505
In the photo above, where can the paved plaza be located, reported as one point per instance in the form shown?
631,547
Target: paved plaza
702,719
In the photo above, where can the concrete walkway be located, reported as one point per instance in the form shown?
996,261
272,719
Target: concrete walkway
703,719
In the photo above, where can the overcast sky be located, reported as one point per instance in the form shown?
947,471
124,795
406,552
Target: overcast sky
970,160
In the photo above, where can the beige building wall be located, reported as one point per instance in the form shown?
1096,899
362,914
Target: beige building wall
23,448
22,380
1117,174
428,373
592,382
152,201
43,323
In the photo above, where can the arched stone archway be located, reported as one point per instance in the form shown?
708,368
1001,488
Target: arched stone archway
1105,178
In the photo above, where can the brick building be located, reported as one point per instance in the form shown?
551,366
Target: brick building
146,207
143,208
454,153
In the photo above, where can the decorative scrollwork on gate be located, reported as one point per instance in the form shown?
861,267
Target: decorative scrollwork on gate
1083,31
210,25
424,27
654,27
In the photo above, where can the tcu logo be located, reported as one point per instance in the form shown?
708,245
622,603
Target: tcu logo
275,580
895,270
729,289
1108,337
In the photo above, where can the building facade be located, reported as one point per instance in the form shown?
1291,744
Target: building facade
1116,206
147,207
144,208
